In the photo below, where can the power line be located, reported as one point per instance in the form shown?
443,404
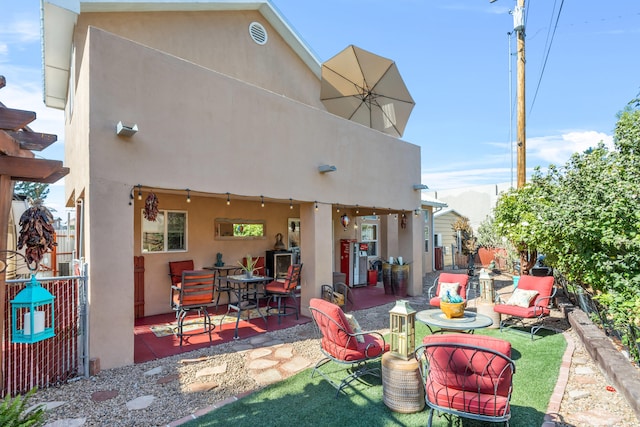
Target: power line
546,57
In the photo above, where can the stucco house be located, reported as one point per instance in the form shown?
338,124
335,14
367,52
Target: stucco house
229,131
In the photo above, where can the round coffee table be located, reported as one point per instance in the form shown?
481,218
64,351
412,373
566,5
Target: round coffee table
437,322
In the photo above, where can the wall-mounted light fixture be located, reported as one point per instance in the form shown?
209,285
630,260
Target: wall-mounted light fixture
126,129
131,196
420,187
188,196
262,201
228,199
327,168
416,212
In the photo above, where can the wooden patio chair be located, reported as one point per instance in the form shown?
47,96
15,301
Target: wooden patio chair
468,376
195,293
341,344
281,290
175,275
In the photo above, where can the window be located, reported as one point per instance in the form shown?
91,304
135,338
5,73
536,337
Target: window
426,231
369,235
239,229
168,233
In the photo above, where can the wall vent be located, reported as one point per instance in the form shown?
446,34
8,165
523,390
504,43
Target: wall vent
258,33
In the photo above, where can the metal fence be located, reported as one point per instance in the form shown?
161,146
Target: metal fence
580,297
55,360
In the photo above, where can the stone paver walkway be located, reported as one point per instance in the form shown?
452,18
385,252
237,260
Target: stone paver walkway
269,361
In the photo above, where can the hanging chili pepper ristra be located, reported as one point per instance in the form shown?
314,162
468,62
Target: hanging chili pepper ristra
36,232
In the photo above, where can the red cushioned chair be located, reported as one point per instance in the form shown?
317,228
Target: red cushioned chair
175,274
340,344
281,290
537,310
434,290
467,376
195,293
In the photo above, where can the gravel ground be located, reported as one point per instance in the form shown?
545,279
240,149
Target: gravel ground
171,381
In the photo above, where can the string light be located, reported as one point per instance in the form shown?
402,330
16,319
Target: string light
357,211
316,205
338,209
188,196
228,199
290,203
139,192
262,201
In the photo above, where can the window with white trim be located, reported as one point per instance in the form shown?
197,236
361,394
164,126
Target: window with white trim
369,235
168,233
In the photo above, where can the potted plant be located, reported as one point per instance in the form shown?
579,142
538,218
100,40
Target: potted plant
249,265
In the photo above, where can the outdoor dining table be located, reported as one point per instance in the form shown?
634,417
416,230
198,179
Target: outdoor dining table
247,297
437,322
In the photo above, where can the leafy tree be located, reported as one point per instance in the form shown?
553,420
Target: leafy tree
33,190
518,217
468,241
585,217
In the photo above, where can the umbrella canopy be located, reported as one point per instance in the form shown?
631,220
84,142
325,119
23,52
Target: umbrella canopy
366,88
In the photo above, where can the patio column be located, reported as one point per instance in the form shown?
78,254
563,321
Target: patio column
316,250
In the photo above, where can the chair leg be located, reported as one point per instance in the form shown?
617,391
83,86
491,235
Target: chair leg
282,306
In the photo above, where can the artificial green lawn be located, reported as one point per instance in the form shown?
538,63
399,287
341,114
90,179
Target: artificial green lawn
303,401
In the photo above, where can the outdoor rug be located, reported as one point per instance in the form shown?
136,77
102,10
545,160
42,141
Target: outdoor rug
166,329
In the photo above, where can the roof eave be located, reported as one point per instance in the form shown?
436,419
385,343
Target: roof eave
59,17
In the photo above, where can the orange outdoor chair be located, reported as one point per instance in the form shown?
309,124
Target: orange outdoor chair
341,344
467,376
194,293
280,290
452,281
175,274
531,300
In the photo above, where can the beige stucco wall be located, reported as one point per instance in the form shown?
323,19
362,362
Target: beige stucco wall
218,40
214,134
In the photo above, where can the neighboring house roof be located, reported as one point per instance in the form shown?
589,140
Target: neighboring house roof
433,202
60,16
447,211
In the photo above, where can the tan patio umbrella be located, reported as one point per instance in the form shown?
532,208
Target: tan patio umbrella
366,88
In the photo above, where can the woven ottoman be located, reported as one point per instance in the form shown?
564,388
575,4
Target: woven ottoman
402,389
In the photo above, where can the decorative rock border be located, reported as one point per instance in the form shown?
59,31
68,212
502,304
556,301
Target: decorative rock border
618,369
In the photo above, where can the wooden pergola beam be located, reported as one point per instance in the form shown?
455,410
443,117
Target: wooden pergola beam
12,119
29,140
32,170
10,147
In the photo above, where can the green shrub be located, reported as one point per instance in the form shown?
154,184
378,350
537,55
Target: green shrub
14,412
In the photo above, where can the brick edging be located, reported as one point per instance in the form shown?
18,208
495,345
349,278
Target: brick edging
561,385
617,368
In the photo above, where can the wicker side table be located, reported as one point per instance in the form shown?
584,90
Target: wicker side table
402,389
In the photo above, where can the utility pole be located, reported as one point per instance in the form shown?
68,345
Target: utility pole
518,26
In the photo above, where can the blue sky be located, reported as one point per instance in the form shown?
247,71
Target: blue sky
454,57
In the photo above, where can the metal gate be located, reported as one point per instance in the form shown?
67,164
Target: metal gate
58,359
